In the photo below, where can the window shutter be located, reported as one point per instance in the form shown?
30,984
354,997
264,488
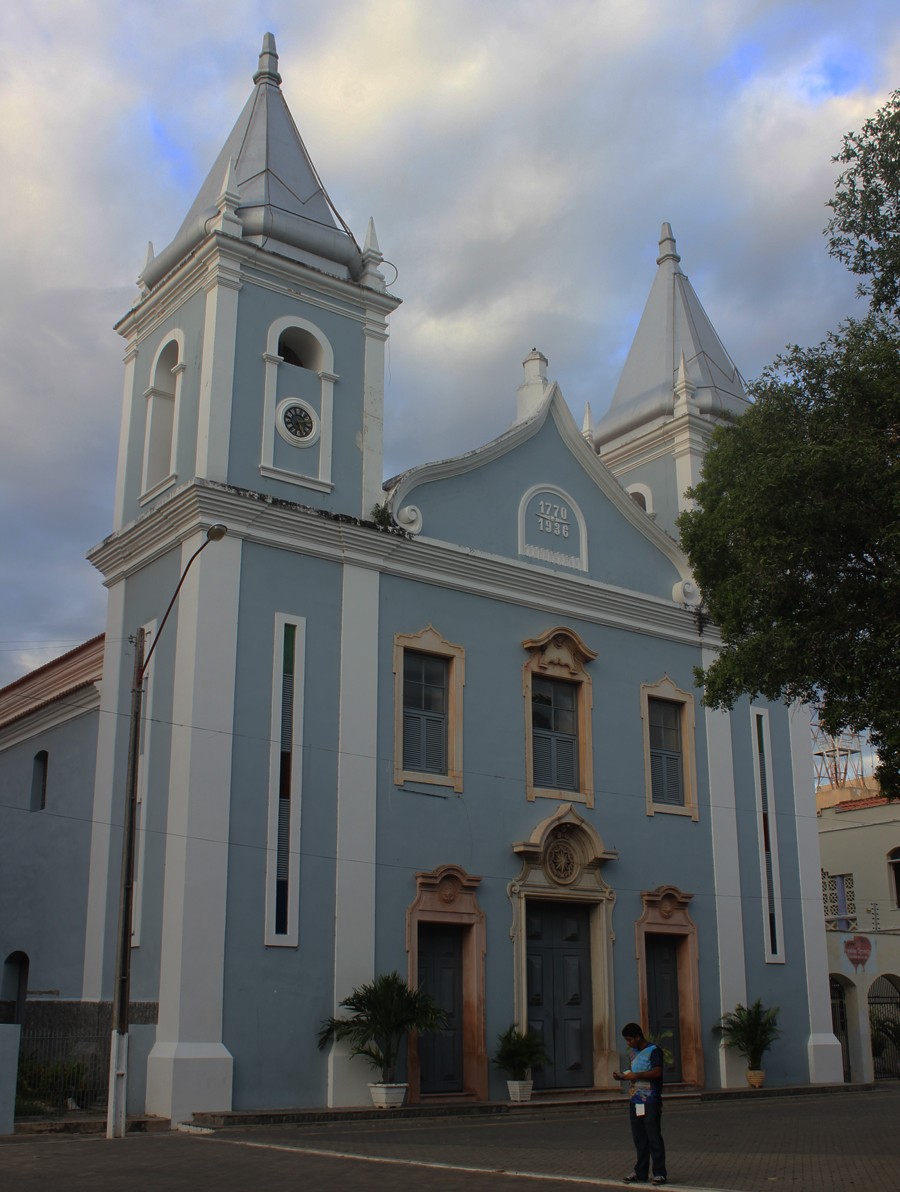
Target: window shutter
434,759
554,761
412,741
566,764
424,743
542,760
666,778
282,871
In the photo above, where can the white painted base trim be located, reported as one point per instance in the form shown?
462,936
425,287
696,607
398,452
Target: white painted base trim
826,1065
188,1078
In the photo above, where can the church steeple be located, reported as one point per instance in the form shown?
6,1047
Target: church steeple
281,202
256,351
678,382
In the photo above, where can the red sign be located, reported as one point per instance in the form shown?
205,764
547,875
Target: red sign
858,950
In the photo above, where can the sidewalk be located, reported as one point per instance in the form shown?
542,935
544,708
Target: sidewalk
836,1141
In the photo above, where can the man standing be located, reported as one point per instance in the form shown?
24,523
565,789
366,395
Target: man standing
645,1108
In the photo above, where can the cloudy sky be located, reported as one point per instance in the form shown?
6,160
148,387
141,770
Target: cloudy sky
518,157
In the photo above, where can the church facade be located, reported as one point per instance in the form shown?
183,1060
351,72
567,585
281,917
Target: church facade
445,726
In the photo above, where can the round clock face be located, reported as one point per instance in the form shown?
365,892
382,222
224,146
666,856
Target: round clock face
298,422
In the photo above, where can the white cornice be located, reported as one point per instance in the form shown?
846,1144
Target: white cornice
285,526
192,274
658,440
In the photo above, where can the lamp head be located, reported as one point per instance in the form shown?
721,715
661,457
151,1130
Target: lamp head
216,532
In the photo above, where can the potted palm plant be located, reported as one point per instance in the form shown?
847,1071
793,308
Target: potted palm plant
516,1054
751,1031
383,1012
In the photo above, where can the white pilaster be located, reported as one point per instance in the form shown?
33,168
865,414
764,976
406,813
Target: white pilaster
824,1050
373,415
354,912
109,801
128,404
189,1068
727,877
217,370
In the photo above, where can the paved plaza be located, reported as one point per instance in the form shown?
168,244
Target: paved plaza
811,1143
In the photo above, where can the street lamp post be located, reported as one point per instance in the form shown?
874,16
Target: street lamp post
118,1058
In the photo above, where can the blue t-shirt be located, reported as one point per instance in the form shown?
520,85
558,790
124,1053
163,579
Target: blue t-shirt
643,1091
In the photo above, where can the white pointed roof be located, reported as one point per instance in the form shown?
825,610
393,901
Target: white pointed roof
281,202
673,327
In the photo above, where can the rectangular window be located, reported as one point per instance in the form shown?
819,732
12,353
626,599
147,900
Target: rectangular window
286,773
666,762
554,727
429,676
145,774
426,680
670,768
768,842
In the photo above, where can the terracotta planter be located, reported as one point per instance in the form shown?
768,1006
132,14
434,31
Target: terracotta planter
520,1090
756,1078
388,1096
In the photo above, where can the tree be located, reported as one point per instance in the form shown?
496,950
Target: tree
864,231
795,538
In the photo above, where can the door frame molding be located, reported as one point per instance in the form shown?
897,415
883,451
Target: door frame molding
562,861
666,913
450,895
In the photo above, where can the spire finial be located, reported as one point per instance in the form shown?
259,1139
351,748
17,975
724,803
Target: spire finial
667,249
268,62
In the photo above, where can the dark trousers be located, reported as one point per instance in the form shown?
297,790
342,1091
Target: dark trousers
648,1140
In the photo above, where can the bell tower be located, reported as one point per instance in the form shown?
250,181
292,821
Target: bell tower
254,389
677,385
255,353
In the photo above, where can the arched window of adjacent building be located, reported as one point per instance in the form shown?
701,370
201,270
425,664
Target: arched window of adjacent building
39,780
14,986
300,348
894,869
161,401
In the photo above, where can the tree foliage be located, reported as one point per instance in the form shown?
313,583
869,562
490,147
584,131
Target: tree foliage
864,231
795,538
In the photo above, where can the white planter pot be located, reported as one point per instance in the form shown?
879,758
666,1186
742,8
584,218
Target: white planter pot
520,1090
388,1096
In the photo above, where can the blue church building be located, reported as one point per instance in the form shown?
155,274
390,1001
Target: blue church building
445,725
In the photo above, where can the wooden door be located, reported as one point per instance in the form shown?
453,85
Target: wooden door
440,974
663,1022
559,991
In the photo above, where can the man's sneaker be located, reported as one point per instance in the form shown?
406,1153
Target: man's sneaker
659,1179
633,1179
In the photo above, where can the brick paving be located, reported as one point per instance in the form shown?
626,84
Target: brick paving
842,1142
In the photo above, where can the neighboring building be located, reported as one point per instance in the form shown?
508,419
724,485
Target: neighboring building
859,841
446,726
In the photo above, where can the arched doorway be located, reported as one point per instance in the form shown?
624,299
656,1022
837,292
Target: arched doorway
562,947
884,1020
446,945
